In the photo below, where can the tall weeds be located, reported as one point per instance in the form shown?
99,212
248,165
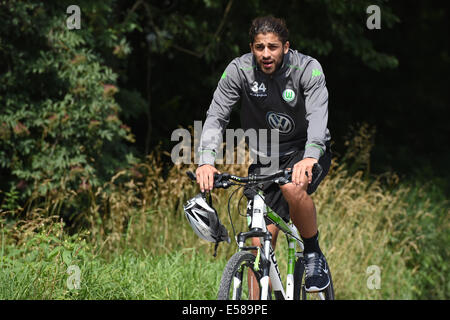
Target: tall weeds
363,221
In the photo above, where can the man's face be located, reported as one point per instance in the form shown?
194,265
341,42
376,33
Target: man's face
269,51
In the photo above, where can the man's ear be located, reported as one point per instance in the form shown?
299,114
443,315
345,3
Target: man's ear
286,47
251,46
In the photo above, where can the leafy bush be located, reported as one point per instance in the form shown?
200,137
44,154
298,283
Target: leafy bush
59,121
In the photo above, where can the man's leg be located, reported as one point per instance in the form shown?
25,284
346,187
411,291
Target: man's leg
303,214
301,208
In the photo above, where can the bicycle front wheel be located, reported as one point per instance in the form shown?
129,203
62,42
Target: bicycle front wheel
241,278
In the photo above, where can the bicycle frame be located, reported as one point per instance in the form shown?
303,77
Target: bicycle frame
258,228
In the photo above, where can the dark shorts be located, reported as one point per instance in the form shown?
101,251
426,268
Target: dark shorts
273,195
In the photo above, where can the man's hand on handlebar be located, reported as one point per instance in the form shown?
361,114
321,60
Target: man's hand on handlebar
302,171
205,177
305,171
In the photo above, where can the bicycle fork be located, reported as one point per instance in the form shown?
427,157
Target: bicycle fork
262,259
258,228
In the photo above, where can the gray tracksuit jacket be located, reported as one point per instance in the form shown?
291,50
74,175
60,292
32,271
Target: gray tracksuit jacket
293,101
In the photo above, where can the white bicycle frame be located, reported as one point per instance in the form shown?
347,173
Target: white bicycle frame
260,210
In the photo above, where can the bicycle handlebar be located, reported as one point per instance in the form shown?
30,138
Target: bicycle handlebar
222,180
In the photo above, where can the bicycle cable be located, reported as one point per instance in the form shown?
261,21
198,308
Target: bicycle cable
229,211
239,205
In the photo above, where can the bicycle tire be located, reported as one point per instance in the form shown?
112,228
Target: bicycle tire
237,266
299,288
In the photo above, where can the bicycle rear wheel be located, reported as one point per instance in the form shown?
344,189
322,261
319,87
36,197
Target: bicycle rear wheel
299,285
235,284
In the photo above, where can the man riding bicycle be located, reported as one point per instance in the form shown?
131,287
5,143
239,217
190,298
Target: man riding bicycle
277,85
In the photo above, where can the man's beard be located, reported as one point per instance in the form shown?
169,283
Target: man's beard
278,64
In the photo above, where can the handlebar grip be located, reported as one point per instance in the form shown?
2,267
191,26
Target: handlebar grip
192,176
316,172
218,183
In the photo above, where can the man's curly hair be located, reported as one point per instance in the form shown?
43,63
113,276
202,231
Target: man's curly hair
269,24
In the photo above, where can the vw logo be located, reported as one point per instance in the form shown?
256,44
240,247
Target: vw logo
281,122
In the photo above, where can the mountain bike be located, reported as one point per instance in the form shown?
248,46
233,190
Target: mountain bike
257,265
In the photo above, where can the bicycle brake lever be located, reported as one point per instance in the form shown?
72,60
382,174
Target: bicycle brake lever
287,175
218,177
221,177
191,175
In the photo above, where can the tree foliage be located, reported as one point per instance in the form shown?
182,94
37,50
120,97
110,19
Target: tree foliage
76,105
59,121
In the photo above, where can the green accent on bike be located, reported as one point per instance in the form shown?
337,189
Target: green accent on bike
258,257
224,75
249,220
315,73
291,260
315,146
278,220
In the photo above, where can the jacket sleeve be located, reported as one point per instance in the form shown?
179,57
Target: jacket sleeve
316,104
226,95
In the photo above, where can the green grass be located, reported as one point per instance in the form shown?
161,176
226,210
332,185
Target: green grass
136,243
183,274
408,246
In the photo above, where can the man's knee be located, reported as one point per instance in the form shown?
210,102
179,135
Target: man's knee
294,194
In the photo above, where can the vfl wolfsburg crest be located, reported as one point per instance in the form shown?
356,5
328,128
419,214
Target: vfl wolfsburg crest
288,95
